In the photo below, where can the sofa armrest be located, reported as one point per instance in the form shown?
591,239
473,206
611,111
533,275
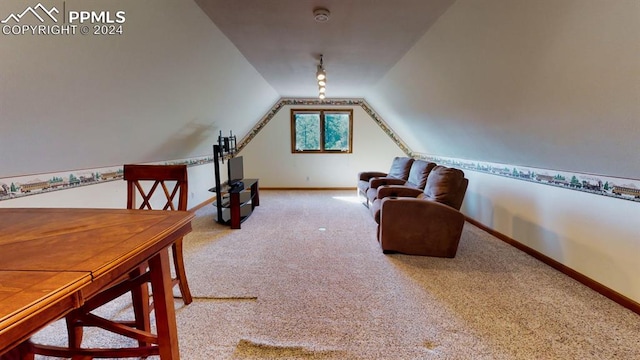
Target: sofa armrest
397,191
386,180
367,175
419,227
380,181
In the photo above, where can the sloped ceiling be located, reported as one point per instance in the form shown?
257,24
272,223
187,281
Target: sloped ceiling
161,91
361,41
547,84
553,84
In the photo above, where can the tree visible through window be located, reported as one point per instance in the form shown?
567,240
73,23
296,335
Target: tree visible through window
323,131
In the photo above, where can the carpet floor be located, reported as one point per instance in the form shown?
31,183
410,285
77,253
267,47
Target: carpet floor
305,279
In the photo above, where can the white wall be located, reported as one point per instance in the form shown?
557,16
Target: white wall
268,156
551,84
162,90
595,235
113,194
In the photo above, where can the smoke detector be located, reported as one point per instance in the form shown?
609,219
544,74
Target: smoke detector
321,15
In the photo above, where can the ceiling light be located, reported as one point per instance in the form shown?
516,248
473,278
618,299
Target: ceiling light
321,76
321,15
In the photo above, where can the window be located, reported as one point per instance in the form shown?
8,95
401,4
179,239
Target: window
321,131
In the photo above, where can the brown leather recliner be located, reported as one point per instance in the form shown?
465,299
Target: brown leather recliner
426,222
418,174
400,167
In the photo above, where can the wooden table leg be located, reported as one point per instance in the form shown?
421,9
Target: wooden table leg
20,352
161,285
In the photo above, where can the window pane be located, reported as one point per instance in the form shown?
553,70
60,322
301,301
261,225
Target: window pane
307,132
336,131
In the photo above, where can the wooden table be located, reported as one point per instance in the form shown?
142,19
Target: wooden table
52,260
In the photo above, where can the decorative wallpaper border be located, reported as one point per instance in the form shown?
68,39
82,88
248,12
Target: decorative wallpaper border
618,188
327,102
15,187
626,189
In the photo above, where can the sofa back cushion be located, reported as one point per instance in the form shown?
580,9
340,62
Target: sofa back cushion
419,172
400,167
446,185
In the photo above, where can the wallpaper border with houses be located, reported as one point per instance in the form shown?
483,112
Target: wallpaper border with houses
620,188
15,187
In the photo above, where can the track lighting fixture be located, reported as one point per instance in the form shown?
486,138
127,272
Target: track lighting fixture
321,76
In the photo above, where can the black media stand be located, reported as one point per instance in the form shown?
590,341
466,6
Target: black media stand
234,203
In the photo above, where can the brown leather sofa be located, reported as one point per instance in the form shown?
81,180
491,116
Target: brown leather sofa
400,167
422,222
418,174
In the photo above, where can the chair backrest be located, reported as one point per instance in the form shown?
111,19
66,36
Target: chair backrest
143,181
446,185
419,173
400,167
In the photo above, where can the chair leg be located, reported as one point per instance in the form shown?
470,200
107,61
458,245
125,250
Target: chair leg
74,331
140,303
181,275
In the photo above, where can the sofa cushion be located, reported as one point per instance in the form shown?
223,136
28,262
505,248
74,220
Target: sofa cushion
444,185
400,167
419,173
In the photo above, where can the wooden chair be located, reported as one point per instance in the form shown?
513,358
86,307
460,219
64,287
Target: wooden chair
158,175
166,182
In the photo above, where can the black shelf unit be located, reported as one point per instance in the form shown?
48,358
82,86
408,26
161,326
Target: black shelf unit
236,202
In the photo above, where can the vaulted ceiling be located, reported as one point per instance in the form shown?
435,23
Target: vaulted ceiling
547,83
360,42
508,81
